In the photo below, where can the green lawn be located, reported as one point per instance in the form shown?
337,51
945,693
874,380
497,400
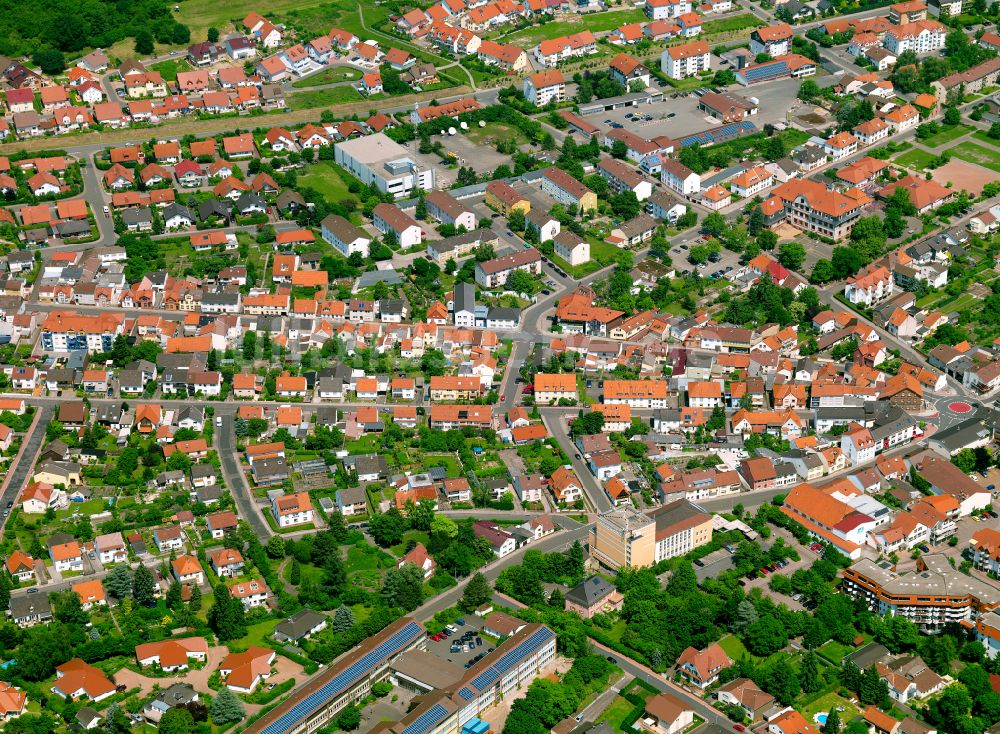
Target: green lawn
448,461
946,135
418,536
733,647
326,178
257,634
972,153
615,713
309,573
168,69
917,159
827,702
199,15
367,558
728,25
984,137
90,507
834,651
323,97
595,22
328,76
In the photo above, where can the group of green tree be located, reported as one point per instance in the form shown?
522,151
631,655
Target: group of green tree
50,30
548,702
914,74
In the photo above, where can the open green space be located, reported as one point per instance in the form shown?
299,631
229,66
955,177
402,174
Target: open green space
946,135
417,536
615,713
168,69
323,97
595,22
733,647
827,702
834,651
972,153
367,558
325,177
258,634
496,131
729,25
329,75
981,135
918,159
200,15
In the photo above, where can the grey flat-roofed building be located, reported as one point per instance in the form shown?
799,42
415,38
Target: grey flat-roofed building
423,671
379,160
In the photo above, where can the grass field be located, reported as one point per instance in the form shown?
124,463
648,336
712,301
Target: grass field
325,178
827,702
323,97
328,76
982,136
496,131
616,713
729,25
733,647
946,135
200,15
834,651
595,22
258,633
914,159
972,153
168,69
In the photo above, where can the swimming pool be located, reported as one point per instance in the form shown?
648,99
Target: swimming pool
821,718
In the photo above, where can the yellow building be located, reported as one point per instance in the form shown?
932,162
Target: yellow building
623,538
504,198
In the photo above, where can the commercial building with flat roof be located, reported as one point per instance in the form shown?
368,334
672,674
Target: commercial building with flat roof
377,159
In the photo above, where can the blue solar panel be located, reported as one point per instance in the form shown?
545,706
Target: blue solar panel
508,660
707,137
465,694
427,720
343,680
768,71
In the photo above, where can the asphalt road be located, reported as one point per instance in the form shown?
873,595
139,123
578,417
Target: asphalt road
637,670
225,444
17,477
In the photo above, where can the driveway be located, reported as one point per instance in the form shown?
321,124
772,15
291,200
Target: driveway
198,679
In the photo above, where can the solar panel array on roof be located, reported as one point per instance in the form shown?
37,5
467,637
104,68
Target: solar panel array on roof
343,680
766,72
427,720
508,660
708,137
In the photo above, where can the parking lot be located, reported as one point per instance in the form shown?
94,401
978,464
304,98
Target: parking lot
677,116
725,264
471,644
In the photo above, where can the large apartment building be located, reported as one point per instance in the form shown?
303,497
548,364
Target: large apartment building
812,207
68,331
932,596
686,59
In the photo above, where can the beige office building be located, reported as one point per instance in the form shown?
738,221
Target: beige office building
625,537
